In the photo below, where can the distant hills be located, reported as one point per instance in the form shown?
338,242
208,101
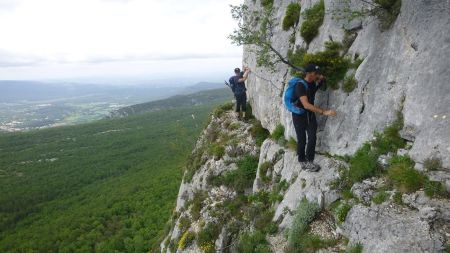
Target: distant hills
26,105
17,91
199,98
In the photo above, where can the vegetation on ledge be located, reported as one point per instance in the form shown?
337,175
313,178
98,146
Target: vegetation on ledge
292,16
313,21
334,65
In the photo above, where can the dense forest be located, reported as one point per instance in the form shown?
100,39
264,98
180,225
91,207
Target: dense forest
107,186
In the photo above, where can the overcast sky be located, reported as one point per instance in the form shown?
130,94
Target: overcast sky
69,39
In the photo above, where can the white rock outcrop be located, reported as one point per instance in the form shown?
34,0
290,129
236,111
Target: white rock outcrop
404,69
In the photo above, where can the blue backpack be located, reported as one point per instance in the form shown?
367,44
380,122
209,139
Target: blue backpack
289,100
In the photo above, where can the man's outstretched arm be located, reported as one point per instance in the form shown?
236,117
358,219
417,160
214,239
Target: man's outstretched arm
244,78
310,107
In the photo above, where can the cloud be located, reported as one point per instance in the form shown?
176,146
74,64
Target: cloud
8,5
14,60
186,56
98,31
215,68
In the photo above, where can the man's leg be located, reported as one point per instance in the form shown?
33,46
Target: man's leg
238,105
244,104
311,130
300,129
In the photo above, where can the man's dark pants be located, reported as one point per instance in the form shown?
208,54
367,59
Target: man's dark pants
241,101
305,124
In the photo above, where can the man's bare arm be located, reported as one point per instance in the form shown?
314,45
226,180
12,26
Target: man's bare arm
244,78
310,107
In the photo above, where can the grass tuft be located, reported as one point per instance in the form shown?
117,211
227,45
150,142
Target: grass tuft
349,84
341,210
222,109
186,240
313,21
253,242
380,197
402,174
258,132
363,164
207,236
242,178
263,169
292,16
432,163
387,12
278,133
390,140
357,248
267,4
306,212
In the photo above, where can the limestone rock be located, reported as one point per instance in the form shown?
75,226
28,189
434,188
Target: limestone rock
402,70
315,186
420,201
385,228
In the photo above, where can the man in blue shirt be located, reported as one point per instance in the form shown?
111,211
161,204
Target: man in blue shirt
237,84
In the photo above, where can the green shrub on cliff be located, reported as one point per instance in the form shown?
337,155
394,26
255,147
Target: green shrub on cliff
387,12
278,133
292,16
258,132
267,4
242,178
390,140
313,21
334,65
299,239
253,242
349,84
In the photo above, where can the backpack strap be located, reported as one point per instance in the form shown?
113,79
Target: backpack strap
232,83
304,83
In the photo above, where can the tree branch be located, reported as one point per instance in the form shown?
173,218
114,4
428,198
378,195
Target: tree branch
282,59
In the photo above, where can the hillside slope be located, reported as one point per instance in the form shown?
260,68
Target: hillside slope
194,99
93,187
385,179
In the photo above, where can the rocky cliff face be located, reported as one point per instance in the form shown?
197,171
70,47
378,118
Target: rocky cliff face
405,69
244,191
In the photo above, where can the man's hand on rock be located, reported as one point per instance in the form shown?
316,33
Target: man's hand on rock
331,113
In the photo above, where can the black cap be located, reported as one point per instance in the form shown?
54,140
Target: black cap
312,68
237,70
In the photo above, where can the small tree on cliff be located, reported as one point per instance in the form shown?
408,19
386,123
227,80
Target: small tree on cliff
256,29
386,11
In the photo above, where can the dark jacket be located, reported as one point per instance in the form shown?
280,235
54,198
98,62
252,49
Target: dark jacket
237,87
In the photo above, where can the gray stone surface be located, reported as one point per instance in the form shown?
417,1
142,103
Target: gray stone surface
421,202
403,68
212,167
315,186
385,228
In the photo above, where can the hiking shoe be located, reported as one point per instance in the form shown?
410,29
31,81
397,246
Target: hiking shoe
312,167
303,165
